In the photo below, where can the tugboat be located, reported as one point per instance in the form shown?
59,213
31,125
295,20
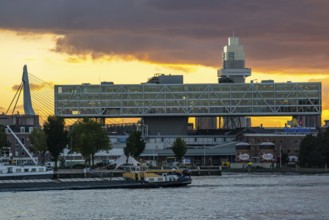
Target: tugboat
157,178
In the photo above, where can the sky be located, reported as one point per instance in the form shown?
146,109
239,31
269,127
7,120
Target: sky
128,41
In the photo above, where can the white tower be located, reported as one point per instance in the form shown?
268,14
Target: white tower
233,69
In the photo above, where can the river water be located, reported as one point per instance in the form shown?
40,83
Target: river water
231,196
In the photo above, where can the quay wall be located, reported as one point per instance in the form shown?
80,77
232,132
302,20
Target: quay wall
194,172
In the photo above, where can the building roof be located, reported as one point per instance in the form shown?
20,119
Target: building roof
224,150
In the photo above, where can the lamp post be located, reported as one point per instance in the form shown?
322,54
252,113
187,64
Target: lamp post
280,157
155,149
153,153
204,155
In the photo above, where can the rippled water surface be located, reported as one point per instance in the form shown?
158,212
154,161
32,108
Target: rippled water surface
231,196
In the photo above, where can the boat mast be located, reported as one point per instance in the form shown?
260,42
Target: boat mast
22,145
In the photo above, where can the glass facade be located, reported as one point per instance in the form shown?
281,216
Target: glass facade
139,100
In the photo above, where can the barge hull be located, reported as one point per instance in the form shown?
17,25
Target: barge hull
99,184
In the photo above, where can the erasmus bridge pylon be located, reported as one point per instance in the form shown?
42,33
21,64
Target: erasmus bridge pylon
38,98
27,102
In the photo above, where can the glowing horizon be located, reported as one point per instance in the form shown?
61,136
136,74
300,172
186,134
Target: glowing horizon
111,41
56,68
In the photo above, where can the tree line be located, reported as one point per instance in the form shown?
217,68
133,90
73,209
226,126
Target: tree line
135,145
86,136
314,150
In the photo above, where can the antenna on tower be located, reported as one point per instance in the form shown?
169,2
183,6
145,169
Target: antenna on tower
233,33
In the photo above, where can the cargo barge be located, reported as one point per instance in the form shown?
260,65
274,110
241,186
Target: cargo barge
134,178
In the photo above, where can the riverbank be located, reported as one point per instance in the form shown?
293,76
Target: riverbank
297,170
206,171
102,173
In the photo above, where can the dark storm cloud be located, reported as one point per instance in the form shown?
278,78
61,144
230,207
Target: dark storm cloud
276,34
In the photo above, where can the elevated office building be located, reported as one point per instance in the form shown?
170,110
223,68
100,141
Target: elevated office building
164,102
165,108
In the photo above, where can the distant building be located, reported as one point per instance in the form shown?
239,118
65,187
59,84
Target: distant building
233,68
206,123
165,79
233,71
286,139
22,126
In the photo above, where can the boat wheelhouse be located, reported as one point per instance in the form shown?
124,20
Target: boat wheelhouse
25,172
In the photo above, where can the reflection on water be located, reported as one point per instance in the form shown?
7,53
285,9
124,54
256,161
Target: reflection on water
231,196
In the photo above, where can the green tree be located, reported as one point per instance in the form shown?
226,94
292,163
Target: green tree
319,154
135,145
56,136
3,139
39,143
284,157
305,149
88,137
314,151
324,147
179,148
